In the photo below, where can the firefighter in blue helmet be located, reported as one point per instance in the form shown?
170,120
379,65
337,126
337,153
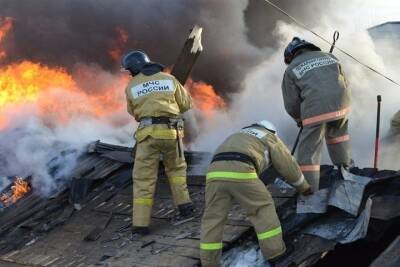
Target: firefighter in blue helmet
156,100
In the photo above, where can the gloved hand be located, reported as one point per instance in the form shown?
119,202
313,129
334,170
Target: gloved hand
308,192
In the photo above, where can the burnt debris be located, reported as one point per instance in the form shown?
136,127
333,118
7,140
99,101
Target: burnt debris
51,231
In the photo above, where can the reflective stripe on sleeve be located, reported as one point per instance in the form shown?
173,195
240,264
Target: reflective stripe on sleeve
143,201
232,175
340,139
299,182
210,246
268,234
309,168
326,116
178,180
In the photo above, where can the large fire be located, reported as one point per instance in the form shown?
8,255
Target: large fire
205,98
56,95
18,190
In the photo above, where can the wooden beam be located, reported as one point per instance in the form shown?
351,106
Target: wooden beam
188,56
181,70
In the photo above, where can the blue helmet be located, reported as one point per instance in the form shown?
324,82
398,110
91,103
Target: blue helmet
295,45
135,61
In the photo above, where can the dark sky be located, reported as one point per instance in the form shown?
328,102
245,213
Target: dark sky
67,32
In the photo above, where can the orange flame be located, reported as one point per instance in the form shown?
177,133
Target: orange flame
22,82
205,97
56,96
116,50
18,190
55,93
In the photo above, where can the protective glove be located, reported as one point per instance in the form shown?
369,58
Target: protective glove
308,192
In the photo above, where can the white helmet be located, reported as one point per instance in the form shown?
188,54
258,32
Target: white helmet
267,125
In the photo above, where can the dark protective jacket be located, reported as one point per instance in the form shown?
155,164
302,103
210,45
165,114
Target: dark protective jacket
315,89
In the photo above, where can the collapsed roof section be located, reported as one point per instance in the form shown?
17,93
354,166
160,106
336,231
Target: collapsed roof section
96,230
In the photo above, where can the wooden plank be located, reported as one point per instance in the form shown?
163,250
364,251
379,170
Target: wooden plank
188,56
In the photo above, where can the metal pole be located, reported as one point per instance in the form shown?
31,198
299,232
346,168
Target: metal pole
335,38
297,140
378,124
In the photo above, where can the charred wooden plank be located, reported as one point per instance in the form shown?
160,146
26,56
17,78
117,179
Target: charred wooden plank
188,56
96,232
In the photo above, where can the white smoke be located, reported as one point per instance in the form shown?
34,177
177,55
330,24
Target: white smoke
261,97
49,154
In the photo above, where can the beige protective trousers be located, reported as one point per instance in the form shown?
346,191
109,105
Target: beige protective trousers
255,199
337,139
145,173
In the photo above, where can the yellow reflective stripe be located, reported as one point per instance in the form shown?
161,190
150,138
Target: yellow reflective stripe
232,175
210,246
143,201
270,233
178,180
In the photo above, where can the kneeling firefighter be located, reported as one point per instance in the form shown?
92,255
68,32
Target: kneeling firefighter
156,99
317,97
233,175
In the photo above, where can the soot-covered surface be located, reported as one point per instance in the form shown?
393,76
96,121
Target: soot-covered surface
52,231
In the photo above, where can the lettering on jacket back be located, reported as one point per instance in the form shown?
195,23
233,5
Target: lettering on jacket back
159,86
311,64
254,132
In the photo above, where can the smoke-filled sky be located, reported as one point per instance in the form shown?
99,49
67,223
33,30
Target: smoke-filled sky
243,45
237,35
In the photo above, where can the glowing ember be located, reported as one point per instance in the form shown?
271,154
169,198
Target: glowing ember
5,27
205,98
18,190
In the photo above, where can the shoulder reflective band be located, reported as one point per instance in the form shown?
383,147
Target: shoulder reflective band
232,175
270,233
143,201
210,246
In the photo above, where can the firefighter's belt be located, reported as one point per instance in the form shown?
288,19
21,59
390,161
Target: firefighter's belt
236,156
147,121
173,123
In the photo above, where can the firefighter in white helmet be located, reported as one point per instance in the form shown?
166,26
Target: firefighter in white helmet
316,95
156,99
233,175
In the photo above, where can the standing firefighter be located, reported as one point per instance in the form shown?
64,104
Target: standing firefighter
315,94
156,99
395,125
233,175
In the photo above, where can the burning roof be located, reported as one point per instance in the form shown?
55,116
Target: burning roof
97,230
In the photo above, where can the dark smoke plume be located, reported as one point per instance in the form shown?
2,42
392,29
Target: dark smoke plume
67,32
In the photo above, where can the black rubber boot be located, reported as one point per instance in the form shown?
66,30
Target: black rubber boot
288,251
140,230
186,210
346,166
